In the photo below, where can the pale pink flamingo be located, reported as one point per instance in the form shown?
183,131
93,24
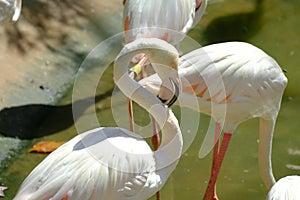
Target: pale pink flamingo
168,20
233,82
111,162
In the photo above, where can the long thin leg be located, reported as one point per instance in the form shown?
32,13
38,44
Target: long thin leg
155,137
131,118
215,153
210,188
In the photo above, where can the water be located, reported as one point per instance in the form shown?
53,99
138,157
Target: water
272,25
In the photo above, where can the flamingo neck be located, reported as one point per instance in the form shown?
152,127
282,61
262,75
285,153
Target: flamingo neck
135,92
266,129
171,146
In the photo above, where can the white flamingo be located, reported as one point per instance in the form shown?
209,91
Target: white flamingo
169,20
233,82
111,162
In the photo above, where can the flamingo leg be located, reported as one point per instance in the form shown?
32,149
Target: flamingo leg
66,197
209,193
215,153
131,118
155,142
157,195
155,137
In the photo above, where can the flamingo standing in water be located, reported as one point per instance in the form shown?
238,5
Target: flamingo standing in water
110,162
233,82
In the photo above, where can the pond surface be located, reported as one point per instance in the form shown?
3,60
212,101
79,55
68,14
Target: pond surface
272,25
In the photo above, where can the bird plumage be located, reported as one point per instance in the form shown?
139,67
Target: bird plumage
232,73
142,18
232,82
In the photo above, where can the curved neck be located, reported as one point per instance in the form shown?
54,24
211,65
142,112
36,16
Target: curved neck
171,146
266,129
135,92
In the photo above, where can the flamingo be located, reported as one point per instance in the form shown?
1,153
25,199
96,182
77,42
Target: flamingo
142,19
10,8
287,188
233,82
111,162
168,20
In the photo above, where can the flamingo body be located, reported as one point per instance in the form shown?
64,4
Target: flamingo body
232,82
237,74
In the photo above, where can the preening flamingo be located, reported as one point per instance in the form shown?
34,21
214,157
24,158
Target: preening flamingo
168,20
111,162
233,82
10,8
286,188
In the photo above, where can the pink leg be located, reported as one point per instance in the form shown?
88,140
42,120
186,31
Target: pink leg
210,188
155,138
215,153
65,197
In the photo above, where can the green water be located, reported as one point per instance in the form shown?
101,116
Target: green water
274,27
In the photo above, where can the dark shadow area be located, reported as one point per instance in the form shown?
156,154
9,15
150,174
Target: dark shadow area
26,122
235,27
